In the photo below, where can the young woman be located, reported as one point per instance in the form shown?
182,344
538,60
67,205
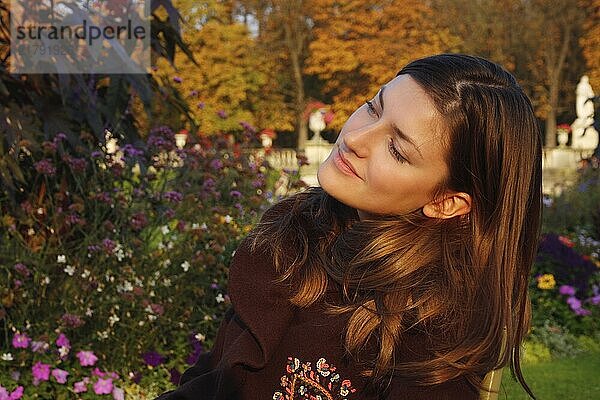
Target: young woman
405,274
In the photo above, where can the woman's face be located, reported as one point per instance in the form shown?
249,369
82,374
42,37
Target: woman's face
388,158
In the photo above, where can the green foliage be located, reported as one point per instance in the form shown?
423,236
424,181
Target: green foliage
35,107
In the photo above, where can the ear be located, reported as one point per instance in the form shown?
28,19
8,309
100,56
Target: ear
451,205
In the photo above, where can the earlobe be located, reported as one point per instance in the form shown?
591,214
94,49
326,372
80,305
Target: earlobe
449,206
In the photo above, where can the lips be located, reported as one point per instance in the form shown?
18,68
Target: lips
350,166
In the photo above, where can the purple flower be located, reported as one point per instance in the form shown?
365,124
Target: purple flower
222,114
63,341
77,164
566,290
72,320
194,93
173,197
235,193
81,386
20,341
177,79
22,269
575,305
248,127
96,154
45,167
60,375
39,346
103,386
59,136
40,372
109,246
200,105
86,358
138,221
175,376
131,151
595,300
169,213
153,358
216,164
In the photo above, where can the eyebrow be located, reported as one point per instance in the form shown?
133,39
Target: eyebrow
395,128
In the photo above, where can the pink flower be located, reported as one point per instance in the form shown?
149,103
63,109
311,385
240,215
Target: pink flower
41,372
98,373
60,375
80,387
118,393
62,341
87,358
103,386
16,394
3,393
20,341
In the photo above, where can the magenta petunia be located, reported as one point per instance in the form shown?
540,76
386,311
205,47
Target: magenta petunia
87,358
60,375
20,341
16,394
103,386
63,341
40,372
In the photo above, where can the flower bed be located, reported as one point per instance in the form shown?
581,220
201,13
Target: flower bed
113,261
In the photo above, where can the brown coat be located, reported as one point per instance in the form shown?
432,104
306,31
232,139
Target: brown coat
266,348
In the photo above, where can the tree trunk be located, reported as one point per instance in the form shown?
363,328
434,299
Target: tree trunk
555,68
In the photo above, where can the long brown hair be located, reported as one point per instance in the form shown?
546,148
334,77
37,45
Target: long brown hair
459,281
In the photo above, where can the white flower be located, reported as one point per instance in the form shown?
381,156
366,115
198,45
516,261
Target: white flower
185,265
113,319
203,226
31,232
149,309
40,211
63,351
200,337
228,219
46,280
195,225
169,245
164,229
7,357
151,317
167,282
220,298
89,312
70,270
85,273
166,263
61,259
161,245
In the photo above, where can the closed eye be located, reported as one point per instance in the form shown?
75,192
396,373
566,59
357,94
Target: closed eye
371,109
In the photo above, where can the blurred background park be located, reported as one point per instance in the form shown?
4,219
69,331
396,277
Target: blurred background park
124,196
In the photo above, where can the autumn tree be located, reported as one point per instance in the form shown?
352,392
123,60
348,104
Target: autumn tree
590,43
358,46
232,81
537,40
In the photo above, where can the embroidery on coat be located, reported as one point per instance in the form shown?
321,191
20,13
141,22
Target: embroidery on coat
303,381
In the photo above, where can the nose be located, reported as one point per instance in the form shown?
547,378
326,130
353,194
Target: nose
360,139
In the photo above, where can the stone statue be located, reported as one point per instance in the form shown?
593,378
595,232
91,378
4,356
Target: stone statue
585,136
316,123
